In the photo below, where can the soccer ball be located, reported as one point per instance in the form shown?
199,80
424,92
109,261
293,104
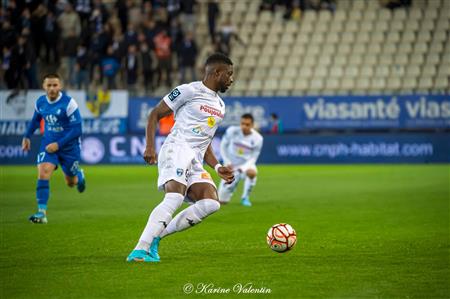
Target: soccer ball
281,237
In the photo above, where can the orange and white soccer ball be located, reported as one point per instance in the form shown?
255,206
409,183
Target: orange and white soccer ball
281,237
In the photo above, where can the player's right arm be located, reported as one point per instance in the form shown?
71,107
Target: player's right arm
170,103
160,111
33,125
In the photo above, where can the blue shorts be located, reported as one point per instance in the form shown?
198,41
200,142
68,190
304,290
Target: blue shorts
68,158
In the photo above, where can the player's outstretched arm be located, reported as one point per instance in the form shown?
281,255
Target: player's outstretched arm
160,111
225,172
34,124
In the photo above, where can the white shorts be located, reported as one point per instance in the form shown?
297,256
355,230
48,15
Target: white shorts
179,162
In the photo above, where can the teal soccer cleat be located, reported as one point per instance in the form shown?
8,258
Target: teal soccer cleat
38,218
246,202
141,256
81,186
154,248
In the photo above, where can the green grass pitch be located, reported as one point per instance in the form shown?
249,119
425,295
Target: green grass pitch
378,231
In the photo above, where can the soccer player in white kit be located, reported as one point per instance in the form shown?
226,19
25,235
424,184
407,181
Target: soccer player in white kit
198,111
240,149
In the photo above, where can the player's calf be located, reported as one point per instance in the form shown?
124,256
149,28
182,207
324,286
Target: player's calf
191,216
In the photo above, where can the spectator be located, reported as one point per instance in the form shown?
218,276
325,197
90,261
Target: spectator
37,20
30,66
51,38
14,63
83,8
267,5
114,23
69,22
69,54
393,4
70,25
226,34
97,50
82,68
276,125
173,9
176,37
9,68
122,13
110,67
147,66
163,53
98,17
165,124
25,20
131,65
188,57
188,16
213,15
131,36
8,35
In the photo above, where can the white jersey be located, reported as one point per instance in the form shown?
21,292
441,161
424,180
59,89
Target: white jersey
198,112
239,149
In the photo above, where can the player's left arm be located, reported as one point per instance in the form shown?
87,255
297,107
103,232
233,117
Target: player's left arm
225,172
74,129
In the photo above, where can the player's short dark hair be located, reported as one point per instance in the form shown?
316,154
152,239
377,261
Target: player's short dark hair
51,76
218,58
248,116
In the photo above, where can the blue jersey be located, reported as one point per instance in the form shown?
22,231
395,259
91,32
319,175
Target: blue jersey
62,121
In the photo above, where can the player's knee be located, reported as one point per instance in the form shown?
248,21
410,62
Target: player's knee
251,173
44,174
208,206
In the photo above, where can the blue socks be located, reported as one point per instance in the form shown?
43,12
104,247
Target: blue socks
42,194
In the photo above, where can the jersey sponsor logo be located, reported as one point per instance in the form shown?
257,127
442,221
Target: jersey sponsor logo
241,145
211,121
211,110
205,176
174,94
51,119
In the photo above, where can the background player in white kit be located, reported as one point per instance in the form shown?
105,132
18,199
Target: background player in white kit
198,112
240,149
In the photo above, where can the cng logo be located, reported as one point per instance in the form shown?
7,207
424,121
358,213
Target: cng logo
92,150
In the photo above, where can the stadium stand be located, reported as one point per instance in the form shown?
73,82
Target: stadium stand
361,48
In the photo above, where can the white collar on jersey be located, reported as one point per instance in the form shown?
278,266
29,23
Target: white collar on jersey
208,89
55,101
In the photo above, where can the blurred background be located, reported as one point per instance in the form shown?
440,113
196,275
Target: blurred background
328,81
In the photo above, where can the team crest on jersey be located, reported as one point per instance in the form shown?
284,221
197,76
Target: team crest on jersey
179,171
211,121
174,94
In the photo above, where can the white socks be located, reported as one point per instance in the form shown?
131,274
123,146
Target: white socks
160,217
248,186
191,216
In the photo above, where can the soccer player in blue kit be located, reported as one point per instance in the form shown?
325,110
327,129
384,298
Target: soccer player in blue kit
60,143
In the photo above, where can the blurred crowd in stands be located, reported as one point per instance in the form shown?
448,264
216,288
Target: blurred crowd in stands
130,44
94,42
